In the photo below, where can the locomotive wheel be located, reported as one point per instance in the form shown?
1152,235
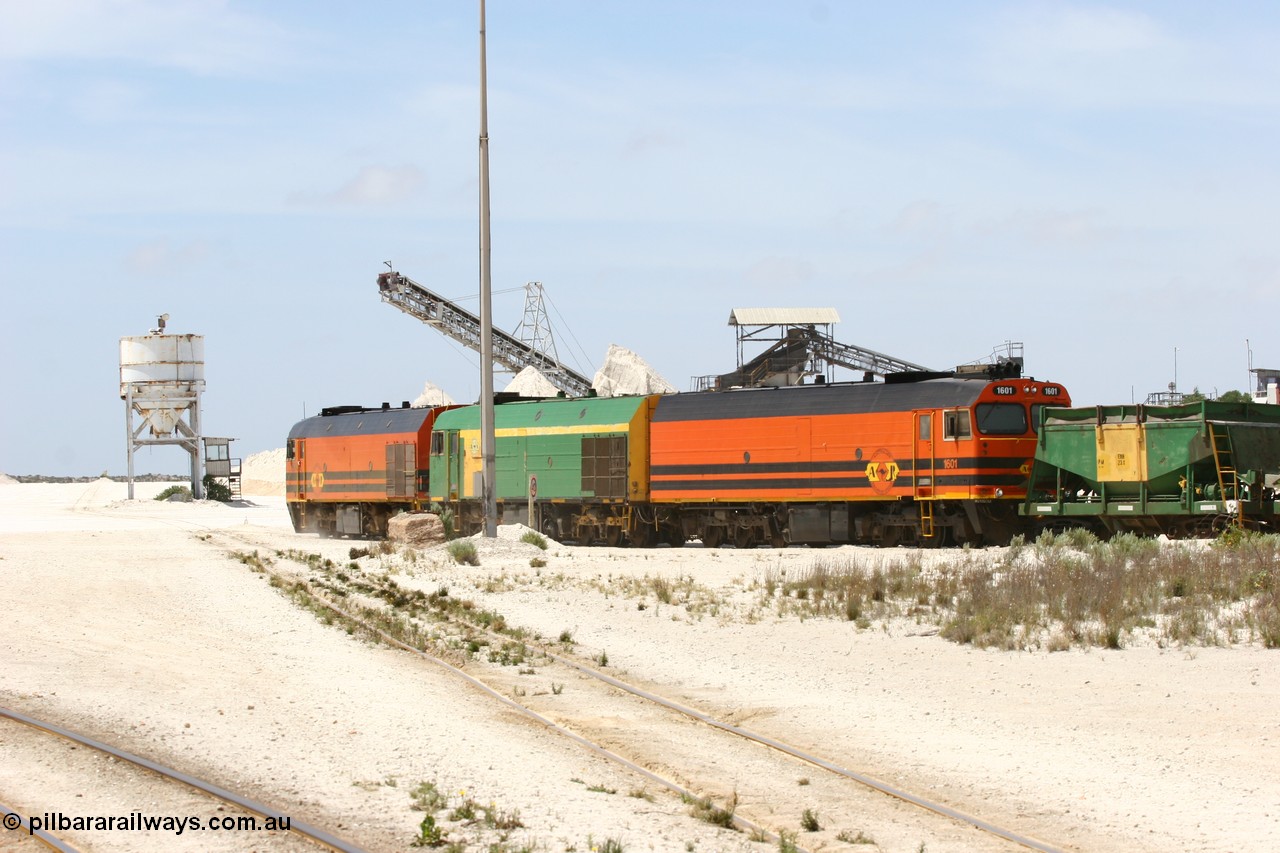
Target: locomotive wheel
890,537
937,540
643,536
713,537
613,536
744,537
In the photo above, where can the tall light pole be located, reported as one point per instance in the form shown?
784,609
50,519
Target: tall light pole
487,433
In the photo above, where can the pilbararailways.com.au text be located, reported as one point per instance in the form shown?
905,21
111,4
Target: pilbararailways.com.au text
139,822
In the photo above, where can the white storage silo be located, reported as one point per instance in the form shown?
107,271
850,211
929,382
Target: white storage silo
161,380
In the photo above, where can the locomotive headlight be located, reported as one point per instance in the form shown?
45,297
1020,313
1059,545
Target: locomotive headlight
999,493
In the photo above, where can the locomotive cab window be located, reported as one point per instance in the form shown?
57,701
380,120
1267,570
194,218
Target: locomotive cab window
955,424
926,427
1001,418
1036,413
437,443
288,449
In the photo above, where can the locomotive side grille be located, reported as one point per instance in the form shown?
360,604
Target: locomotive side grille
401,465
604,466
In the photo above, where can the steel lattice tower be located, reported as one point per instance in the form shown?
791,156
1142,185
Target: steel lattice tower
535,327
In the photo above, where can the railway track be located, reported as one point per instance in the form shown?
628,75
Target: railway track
693,775
65,827
695,780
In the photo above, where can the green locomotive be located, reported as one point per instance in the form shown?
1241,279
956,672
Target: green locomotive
586,461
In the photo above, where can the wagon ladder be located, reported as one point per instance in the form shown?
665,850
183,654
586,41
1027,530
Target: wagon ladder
1224,463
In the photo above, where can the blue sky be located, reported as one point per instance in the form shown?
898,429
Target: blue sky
1098,181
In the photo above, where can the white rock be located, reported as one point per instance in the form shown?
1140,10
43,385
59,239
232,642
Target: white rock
624,373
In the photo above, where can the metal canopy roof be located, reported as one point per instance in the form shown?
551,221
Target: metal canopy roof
782,316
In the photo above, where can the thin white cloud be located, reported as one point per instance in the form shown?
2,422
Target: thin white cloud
922,217
776,272
1098,56
1057,30
640,143
109,100
199,36
374,186
162,257
1076,227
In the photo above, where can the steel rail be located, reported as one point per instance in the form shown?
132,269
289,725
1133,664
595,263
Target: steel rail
302,829
592,746
763,740
794,752
48,839
816,761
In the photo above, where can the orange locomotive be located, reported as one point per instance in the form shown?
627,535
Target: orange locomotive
934,459
349,469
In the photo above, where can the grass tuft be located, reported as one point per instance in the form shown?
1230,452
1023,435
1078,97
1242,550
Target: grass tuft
463,552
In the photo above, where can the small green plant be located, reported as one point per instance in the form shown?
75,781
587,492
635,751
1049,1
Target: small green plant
849,838
512,653
216,490
533,537
447,520
429,835
566,637
603,659
537,563
428,798
787,842
183,492
465,811
809,821
706,810
463,552
662,589
497,819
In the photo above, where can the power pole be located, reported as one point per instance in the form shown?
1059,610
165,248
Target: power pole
487,432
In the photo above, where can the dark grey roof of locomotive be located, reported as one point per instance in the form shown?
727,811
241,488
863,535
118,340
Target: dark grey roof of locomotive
844,399
364,422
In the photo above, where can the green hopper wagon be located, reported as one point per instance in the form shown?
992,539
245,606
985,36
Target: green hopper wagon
1180,470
